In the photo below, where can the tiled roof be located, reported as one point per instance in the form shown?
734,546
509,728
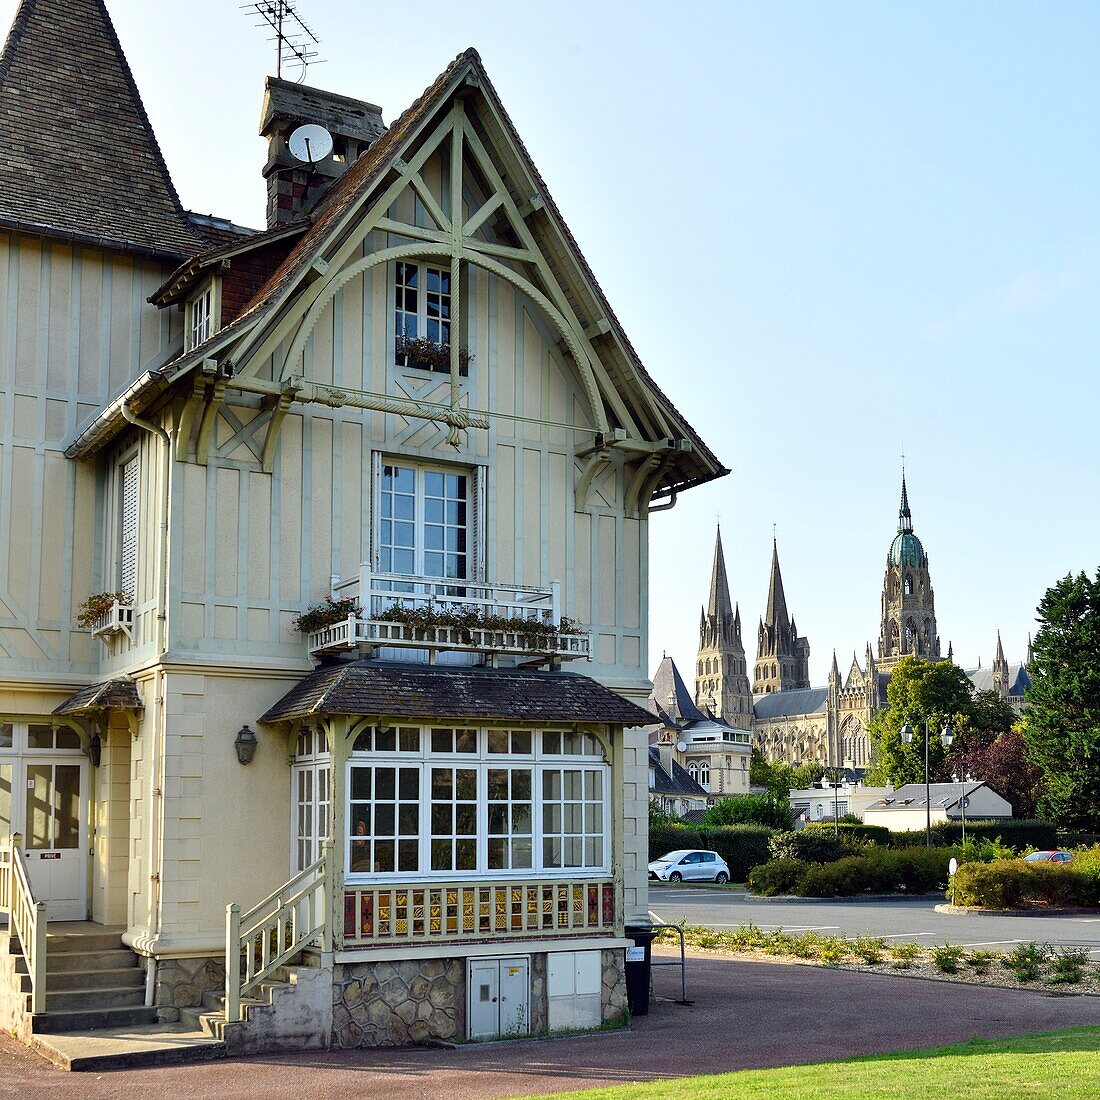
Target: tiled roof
80,159
393,690
911,796
110,695
784,704
1018,679
679,782
667,681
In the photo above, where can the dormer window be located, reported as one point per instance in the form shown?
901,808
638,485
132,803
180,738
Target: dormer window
422,317
199,316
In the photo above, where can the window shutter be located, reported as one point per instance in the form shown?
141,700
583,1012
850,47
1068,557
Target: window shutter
477,532
374,551
127,579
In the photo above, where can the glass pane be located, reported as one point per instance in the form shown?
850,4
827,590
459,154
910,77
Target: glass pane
572,784
466,820
521,784
573,818
441,855
409,855
551,743
521,854
551,785
593,855
385,739
67,738
498,783
360,819
410,783
67,805
497,854
465,855
498,819
521,817
442,740
384,782
441,819
409,820
360,782
410,739
551,819
384,819
466,741
442,784
39,737
467,784
593,787
498,740
39,811
383,855
360,856
551,852
363,742
5,799
6,732
521,742
594,818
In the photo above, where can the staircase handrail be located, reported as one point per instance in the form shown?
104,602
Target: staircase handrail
260,940
26,916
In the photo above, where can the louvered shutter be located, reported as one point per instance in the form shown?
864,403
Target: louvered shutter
127,571
374,555
477,533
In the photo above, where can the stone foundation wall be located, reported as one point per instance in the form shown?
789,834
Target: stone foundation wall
615,1006
182,982
393,1003
14,1018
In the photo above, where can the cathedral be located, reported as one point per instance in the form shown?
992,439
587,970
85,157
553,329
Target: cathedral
788,718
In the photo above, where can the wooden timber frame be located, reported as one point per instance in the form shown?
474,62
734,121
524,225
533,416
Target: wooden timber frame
460,130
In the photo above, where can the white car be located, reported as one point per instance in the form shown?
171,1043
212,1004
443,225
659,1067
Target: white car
690,865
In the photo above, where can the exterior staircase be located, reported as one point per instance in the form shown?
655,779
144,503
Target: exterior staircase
92,982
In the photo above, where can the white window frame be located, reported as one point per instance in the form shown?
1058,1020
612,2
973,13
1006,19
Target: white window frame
128,489
201,314
541,760
420,317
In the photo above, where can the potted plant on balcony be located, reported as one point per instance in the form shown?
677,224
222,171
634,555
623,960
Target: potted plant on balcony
92,608
429,355
319,615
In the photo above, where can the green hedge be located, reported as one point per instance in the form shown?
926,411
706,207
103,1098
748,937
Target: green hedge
909,871
809,845
741,846
1013,883
1020,834
851,833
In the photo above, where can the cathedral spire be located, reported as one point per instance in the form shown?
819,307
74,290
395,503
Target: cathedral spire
905,517
776,616
1000,658
718,605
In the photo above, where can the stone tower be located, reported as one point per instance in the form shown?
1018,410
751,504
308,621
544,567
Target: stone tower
782,657
1000,670
721,674
908,603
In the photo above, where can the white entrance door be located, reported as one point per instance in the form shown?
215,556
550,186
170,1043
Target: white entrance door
55,832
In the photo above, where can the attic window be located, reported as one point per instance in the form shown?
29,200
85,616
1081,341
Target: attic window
422,316
199,317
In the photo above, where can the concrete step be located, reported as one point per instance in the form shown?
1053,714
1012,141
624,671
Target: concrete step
208,1023
51,1023
63,942
90,960
122,1047
125,977
91,1000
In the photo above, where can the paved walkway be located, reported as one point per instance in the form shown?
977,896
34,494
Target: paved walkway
745,1015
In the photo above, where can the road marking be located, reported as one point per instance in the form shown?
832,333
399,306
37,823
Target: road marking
902,935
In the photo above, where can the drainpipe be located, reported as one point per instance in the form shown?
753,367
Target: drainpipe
668,505
156,762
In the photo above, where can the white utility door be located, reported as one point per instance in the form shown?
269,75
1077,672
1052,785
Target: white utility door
55,833
498,997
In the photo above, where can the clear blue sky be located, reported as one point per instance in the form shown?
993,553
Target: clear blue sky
833,231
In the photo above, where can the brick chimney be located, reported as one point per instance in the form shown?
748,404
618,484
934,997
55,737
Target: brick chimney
293,188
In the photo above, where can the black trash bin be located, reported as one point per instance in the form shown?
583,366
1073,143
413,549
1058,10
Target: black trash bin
638,967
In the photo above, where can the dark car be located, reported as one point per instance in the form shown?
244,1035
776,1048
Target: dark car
1049,857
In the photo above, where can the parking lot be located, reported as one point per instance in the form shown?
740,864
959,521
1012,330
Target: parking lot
892,918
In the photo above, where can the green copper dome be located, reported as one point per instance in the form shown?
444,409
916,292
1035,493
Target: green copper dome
906,549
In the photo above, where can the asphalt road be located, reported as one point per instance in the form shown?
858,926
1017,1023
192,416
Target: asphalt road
892,918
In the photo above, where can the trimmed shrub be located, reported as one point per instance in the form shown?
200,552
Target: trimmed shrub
1017,834
743,847
855,832
750,809
847,876
777,877
1087,865
1012,883
670,838
814,846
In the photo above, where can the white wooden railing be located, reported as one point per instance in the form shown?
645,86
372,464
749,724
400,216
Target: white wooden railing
117,619
261,940
378,592
26,917
450,911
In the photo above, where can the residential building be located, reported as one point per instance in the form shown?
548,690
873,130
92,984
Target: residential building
304,536
827,803
906,808
673,790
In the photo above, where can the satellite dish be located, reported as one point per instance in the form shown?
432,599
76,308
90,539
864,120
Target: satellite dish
681,746
310,143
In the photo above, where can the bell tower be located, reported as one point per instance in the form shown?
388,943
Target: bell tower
782,657
908,602
721,677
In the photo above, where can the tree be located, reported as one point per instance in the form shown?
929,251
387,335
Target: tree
751,809
780,778
1063,716
1002,762
937,690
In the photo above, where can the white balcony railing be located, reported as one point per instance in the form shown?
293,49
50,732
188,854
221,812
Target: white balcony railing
117,619
431,912
480,601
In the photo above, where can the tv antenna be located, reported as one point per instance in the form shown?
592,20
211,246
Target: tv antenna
294,39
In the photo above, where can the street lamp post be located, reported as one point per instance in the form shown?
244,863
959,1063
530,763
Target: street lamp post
947,735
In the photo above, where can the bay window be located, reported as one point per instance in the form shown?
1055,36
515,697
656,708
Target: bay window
445,803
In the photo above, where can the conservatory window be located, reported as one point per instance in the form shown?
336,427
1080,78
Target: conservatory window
457,802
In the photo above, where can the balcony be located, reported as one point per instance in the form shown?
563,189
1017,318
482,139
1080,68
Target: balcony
452,911
117,619
478,617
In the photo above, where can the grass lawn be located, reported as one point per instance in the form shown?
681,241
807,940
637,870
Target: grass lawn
1061,1064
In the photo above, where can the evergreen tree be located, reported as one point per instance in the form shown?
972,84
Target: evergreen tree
1062,726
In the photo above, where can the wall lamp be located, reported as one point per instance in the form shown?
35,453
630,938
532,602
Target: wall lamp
245,744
